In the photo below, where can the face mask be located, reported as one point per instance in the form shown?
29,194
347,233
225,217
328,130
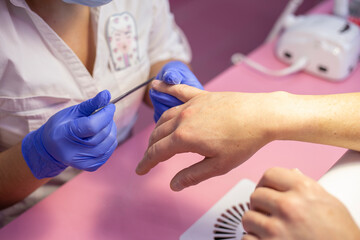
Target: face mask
90,3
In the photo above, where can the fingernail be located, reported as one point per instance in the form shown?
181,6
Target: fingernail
297,170
155,83
176,186
138,169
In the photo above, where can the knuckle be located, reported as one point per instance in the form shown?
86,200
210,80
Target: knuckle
270,173
219,169
188,180
273,227
179,89
287,205
167,114
179,135
304,185
90,129
246,218
151,153
254,196
152,137
186,113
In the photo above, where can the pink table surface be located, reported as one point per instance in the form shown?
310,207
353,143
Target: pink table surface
115,203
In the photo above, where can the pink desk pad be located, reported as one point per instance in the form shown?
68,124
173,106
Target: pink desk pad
115,203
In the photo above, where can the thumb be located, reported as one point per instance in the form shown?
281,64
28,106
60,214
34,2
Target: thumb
181,91
89,106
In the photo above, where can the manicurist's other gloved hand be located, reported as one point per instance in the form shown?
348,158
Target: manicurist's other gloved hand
73,137
174,72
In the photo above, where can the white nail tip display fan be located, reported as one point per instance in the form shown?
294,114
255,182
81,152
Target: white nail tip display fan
223,221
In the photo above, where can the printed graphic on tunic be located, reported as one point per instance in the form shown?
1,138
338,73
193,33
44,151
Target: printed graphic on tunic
122,40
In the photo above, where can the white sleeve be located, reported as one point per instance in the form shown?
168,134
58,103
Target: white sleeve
167,41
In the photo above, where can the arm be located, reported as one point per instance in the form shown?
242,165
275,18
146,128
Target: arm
16,179
228,128
288,205
72,137
325,119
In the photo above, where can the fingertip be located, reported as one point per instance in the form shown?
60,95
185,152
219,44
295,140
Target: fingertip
155,84
176,186
140,169
111,107
172,76
297,171
103,98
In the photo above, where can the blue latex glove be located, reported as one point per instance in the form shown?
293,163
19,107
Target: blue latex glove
174,72
73,137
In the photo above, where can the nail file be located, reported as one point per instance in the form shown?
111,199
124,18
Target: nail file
127,93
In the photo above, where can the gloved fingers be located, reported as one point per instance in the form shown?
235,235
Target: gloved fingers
177,72
173,64
162,102
92,158
162,131
170,114
181,92
183,75
101,136
172,76
100,149
159,152
159,110
87,164
201,171
192,81
92,165
164,98
85,127
87,107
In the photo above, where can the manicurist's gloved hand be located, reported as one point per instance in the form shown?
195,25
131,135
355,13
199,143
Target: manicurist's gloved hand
73,137
174,72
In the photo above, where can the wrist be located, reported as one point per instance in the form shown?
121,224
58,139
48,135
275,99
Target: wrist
40,162
294,117
282,118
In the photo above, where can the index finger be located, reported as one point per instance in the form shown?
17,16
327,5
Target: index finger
181,91
84,127
159,152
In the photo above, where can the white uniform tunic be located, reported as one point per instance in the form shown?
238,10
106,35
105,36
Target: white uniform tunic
40,74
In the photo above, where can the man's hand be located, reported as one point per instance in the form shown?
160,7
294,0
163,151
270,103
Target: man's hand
288,205
226,128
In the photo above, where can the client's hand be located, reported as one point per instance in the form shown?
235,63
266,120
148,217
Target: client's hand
226,128
288,205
